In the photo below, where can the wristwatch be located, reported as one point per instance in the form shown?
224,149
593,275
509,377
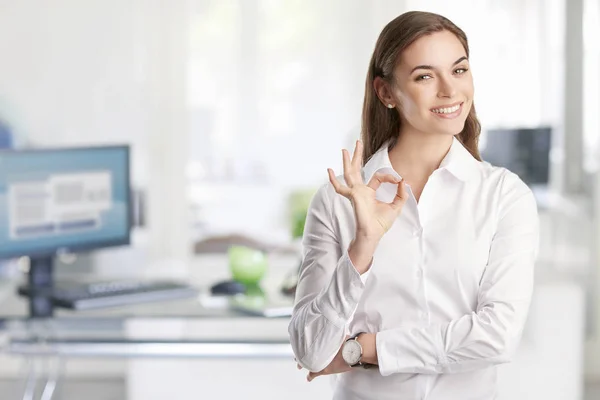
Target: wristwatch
352,352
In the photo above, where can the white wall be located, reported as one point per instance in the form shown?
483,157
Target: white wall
72,72
591,126
95,72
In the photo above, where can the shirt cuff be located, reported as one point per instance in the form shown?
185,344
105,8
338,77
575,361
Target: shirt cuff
340,299
410,350
365,276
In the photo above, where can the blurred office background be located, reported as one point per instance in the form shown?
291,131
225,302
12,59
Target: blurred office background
232,106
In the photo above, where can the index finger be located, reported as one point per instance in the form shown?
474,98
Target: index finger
379,178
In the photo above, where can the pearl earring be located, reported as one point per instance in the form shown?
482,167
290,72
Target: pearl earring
390,105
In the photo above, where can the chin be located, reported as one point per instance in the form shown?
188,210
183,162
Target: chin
449,130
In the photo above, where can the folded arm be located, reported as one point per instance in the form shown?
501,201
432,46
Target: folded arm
329,290
489,335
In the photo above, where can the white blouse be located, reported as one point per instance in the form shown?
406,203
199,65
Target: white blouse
447,293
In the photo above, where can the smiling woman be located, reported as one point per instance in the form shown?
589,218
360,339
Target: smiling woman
419,258
419,78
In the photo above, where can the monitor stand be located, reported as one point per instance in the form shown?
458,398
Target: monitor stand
39,288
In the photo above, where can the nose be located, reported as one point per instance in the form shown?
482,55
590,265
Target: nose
446,88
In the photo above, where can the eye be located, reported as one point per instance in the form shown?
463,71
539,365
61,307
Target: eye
424,77
460,71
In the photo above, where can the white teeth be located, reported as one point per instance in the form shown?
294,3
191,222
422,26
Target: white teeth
449,110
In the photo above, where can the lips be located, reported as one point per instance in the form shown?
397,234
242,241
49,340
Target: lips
448,111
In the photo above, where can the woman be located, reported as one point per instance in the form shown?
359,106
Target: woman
418,261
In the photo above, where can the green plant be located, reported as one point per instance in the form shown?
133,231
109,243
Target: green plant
299,200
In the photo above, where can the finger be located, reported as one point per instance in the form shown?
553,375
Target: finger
298,366
357,157
379,178
343,190
348,170
401,196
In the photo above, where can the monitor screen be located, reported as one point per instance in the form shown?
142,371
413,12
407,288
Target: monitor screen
526,152
63,200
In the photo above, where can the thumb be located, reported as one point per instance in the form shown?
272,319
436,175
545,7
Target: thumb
312,375
401,196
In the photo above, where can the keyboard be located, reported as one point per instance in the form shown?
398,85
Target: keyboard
114,294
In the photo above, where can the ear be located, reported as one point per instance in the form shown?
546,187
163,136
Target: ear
384,92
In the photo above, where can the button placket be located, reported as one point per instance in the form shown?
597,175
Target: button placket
419,272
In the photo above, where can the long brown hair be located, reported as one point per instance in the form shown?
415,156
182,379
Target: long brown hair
379,123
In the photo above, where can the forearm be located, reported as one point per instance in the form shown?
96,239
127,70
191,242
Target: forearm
319,319
474,341
361,251
315,340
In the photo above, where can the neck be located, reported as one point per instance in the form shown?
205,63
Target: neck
416,155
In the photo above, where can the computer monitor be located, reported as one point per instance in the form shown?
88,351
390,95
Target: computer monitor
56,201
525,151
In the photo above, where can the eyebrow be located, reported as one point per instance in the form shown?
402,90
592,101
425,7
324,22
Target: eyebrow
431,67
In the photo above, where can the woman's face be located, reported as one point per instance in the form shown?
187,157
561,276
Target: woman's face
433,86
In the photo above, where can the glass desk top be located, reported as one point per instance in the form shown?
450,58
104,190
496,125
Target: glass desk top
202,326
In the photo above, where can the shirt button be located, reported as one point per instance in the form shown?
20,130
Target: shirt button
419,272
423,315
418,232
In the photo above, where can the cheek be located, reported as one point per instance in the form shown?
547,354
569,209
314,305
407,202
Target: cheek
415,104
468,92
466,87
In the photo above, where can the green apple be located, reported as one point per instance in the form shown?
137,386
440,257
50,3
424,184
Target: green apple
247,265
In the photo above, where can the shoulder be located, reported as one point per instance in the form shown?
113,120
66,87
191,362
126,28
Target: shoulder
507,187
329,201
499,176
325,195
326,192
510,182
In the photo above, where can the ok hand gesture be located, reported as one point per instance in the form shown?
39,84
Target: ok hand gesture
373,217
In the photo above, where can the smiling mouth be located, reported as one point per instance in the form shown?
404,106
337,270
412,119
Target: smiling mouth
447,110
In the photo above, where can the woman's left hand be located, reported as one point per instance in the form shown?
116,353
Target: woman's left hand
337,366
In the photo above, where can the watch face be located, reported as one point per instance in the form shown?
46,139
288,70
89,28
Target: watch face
351,352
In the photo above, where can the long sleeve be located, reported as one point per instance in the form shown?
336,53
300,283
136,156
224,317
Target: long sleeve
328,291
489,335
